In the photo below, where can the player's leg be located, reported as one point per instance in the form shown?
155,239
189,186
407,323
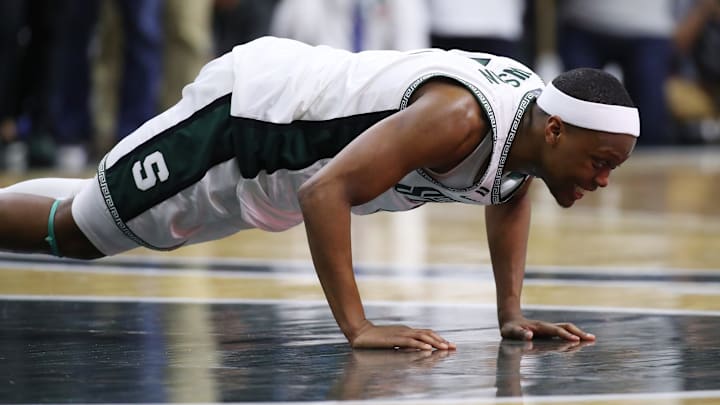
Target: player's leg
40,224
25,221
63,217
119,215
84,219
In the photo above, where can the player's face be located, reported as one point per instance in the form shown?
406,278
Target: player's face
581,160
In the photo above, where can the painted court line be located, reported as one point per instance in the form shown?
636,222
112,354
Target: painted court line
368,303
202,263
270,269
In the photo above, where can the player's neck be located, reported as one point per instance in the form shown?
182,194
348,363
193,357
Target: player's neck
525,152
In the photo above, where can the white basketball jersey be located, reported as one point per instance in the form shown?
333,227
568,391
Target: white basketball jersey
283,81
261,120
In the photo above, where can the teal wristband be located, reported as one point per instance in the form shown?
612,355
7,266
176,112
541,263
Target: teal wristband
50,239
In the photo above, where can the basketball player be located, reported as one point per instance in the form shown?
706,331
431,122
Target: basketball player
277,132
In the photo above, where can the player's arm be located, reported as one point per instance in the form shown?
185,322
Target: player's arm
508,226
432,132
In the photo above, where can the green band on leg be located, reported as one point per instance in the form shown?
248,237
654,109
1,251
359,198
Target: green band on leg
50,239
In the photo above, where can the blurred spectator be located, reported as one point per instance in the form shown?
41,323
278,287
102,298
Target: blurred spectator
478,25
354,25
634,35
188,45
694,90
140,73
106,72
239,21
28,29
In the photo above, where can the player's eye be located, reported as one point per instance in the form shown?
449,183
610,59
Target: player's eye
601,164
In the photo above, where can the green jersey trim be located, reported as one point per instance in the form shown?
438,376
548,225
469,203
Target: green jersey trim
525,102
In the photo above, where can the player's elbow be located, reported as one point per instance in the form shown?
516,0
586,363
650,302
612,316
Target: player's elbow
307,192
323,196
314,193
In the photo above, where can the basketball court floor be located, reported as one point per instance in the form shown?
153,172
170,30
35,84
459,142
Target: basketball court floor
243,320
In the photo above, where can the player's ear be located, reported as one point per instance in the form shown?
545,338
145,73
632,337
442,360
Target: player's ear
554,127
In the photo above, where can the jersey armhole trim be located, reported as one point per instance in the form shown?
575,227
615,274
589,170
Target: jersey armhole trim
484,104
525,102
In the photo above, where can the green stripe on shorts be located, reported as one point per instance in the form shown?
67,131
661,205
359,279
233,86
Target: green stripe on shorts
171,161
180,156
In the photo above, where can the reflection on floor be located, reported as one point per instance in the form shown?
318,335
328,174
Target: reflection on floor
152,338
107,352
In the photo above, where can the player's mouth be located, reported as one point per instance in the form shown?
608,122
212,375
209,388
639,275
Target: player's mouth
579,192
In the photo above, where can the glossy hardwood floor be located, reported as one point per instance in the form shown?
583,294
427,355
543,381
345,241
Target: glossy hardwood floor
244,319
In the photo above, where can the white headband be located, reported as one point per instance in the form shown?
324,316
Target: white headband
586,114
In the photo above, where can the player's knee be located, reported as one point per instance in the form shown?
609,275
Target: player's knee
71,241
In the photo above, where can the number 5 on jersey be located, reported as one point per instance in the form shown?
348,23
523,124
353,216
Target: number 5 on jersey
152,169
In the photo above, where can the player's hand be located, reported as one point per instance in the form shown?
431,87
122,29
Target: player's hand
400,337
527,329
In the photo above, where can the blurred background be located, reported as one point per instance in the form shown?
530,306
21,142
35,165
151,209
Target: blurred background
637,263
78,75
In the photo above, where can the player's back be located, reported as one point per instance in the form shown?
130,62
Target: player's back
281,80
